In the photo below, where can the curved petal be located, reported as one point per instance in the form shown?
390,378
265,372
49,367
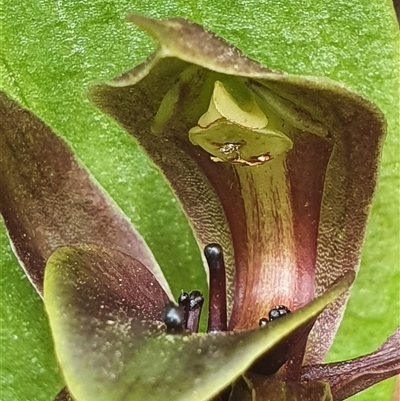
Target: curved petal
107,328
350,377
48,199
294,221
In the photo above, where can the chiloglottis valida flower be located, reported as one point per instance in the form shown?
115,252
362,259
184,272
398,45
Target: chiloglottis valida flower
275,172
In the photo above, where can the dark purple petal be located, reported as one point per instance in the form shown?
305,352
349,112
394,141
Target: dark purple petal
48,199
350,377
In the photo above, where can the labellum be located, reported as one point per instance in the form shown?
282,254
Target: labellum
254,156
267,167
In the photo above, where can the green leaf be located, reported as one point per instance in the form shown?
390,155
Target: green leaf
51,50
107,329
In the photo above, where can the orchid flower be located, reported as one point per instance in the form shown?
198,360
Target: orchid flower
267,167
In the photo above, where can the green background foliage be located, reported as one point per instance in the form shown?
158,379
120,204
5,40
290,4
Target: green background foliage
52,50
